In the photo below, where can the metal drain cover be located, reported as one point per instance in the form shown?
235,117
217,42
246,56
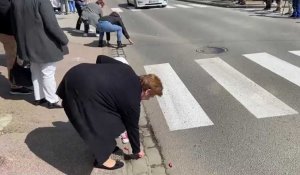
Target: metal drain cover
212,50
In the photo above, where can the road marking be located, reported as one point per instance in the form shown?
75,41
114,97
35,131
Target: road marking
296,52
178,105
183,6
198,5
135,10
256,99
277,66
170,7
116,10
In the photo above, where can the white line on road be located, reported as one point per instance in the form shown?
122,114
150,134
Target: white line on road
183,6
170,7
256,99
198,5
116,10
135,10
277,66
296,52
179,107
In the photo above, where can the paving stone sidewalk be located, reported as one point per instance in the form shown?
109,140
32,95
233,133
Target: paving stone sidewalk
35,140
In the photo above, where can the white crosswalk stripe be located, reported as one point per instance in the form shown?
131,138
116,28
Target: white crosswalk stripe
183,6
296,52
198,5
277,66
257,100
119,10
178,105
170,7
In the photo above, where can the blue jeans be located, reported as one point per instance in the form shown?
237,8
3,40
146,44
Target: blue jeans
71,6
105,26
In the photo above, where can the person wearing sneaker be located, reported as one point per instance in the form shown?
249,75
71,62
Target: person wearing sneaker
102,101
113,23
10,47
40,41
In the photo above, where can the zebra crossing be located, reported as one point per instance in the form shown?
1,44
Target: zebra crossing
184,112
173,6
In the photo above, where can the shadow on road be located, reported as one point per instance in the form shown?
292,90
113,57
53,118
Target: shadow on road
61,147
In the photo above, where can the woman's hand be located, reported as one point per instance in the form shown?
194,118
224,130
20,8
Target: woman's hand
141,154
130,41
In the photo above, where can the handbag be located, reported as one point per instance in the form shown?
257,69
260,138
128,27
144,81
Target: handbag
20,73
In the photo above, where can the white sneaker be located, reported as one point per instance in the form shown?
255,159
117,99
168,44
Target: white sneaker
124,138
85,35
97,34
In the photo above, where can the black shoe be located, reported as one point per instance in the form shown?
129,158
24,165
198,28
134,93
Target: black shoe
118,151
53,105
118,165
101,44
267,8
20,91
119,44
39,102
277,10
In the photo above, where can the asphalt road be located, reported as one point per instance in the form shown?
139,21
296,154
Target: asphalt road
243,139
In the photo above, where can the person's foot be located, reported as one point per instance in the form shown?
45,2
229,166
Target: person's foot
20,91
54,105
101,43
119,44
277,10
267,8
109,164
39,102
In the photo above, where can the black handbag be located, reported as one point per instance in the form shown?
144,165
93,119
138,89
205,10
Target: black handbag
20,74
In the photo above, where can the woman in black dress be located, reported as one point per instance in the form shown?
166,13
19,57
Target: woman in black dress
103,100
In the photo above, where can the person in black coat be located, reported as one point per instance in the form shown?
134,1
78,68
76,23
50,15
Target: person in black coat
40,41
10,47
102,100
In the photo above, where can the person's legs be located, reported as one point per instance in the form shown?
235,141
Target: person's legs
73,6
79,20
37,81
48,82
10,49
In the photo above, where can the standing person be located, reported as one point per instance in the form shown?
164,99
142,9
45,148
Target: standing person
91,13
40,40
296,9
103,104
64,6
79,4
72,7
10,45
113,23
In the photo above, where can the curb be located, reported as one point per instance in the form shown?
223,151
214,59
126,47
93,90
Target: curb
226,4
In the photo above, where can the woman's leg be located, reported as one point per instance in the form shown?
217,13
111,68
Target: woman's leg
36,76
79,11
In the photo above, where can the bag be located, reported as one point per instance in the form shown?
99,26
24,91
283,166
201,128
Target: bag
20,74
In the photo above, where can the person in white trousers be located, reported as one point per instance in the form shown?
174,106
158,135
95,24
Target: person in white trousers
40,41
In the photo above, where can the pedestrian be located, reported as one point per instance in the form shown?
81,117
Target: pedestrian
10,46
72,7
113,23
102,100
296,9
40,41
79,4
91,13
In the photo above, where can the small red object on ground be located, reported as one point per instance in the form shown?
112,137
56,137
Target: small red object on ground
170,165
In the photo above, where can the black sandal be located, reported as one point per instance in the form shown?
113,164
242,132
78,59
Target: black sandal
118,165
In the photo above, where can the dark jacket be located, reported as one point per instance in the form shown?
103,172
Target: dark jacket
117,21
39,37
5,26
103,104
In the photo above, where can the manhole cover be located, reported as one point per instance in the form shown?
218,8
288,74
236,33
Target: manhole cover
212,50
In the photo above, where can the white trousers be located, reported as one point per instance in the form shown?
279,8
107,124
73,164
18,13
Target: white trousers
43,81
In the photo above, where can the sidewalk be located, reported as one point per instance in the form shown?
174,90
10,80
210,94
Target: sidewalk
36,141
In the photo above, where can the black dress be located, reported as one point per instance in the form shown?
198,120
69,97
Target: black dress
101,101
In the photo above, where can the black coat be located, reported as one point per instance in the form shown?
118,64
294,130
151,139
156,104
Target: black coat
5,20
38,35
101,101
